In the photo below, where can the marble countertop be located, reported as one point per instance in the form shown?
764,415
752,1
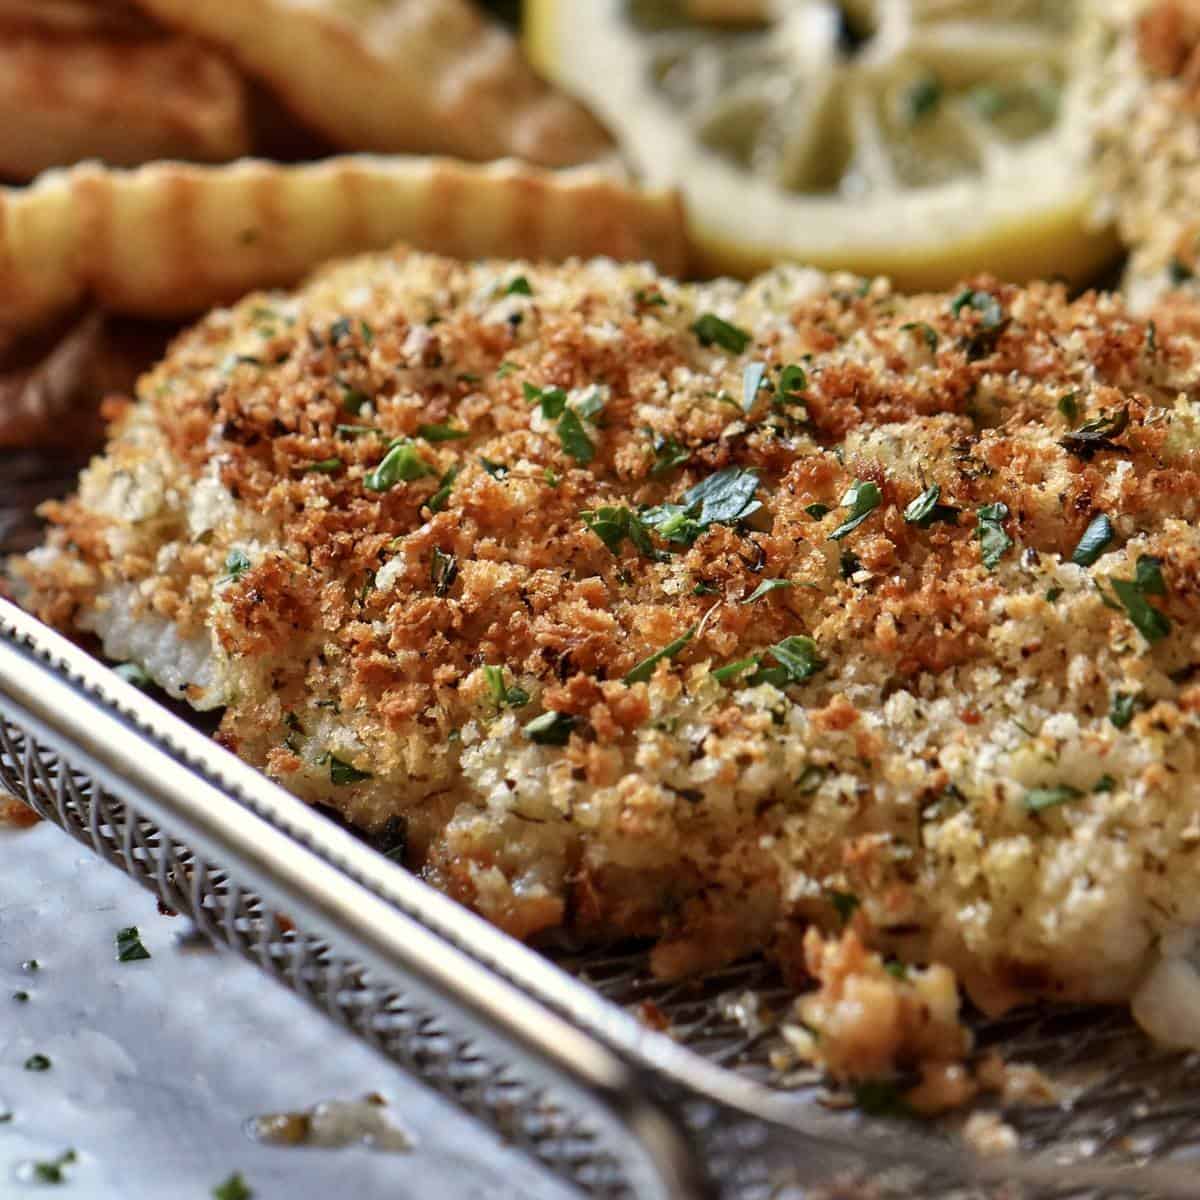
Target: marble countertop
156,1066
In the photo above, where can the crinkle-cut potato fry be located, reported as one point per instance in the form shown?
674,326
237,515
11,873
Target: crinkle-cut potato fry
411,76
170,239
65,97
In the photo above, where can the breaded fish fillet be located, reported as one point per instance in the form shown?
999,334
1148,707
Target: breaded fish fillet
703,612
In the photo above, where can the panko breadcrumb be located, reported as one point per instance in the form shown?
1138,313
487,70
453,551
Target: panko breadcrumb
706,613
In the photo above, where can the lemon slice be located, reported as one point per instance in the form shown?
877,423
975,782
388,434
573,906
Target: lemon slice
921,139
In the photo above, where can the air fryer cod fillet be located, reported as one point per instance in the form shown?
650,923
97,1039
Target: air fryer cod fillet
702,612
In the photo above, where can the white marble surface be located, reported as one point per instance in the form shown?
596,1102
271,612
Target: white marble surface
157,1065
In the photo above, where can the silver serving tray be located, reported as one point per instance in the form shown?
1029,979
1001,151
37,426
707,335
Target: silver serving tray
549,1052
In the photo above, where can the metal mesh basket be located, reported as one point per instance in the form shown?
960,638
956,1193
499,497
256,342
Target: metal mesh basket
548,1053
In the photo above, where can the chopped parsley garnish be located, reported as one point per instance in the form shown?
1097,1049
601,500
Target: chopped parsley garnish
817,511
237,563
441,433
862,498
443,571
494,469
37,1062
1178,271
502,695
792,381
925,330
1152,624
550,729
1096,539
668,454
129,945
925,509
574,438
922,98
341,772
1122,708
845,904
1068,405
132,673
722,499
1052,594
234,1188
356,431
1148,576
401,464
354,401
644,671
991,315
518,287
505,369
849,564
552,399
767,586
752,380
994,541
710,329
591,404
734,669
612,524
1096,434
325,466
797,658
896,969
810,779
647,297
344,326
438,500
1106,783
52,1171
1037,799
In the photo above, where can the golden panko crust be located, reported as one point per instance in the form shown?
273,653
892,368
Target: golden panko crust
428,532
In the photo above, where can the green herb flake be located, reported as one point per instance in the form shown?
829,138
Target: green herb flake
505,369
734,669
518,287
712,330
767,586
550,729
438,500
342,773
797,658
441,433
553,400
1068,405
443,571
793,381
325,466
53,1172
1122,708
817,511
134,674
37,1062
752,381
234,1188
845,904
1106,783
922,99
1178,271
494,469
502,695
994,541
925,509
356,431
237,563
1052,594
591,403
991,315
574,438
612,524
1148,576
353,401
1152,624
401,464
644,671
1096,539
668,454
1097,434
926,331
862,498
646,297
129,945
1037,799
810,779
722,499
